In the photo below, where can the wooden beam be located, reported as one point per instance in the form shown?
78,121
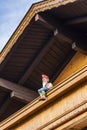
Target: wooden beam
78,20
42,21
64,32
4,105
54,26
6,102
36,60
78,44
20,92
82,49
61,36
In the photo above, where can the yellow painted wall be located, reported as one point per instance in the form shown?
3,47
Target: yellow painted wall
76,63
54,110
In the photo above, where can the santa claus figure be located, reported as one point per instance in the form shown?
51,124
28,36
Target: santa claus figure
46,85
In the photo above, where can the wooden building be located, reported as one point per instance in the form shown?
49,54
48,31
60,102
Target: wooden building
51,39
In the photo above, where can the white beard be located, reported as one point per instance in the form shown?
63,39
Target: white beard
44,83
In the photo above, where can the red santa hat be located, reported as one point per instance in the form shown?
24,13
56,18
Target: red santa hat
45,76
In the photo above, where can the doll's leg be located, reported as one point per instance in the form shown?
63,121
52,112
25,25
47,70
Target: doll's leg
42,92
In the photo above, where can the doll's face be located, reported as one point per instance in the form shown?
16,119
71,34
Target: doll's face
45,80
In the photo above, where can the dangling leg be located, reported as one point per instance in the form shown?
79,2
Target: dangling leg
42,93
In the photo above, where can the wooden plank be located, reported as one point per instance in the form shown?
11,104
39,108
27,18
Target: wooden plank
64,32
19,92
36,60
5,104
77,20
82,49
39,19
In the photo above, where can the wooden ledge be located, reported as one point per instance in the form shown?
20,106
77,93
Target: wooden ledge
61,121
36,105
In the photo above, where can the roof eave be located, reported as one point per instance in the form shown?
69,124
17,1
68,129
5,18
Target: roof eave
35,8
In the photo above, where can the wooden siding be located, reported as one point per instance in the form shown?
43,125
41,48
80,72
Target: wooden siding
66,102
76,63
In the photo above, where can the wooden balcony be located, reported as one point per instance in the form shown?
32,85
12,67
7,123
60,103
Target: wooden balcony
66,108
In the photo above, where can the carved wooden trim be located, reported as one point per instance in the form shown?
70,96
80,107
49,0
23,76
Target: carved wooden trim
81,108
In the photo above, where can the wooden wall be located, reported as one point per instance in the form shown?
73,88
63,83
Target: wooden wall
66,107
76,63
58,112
